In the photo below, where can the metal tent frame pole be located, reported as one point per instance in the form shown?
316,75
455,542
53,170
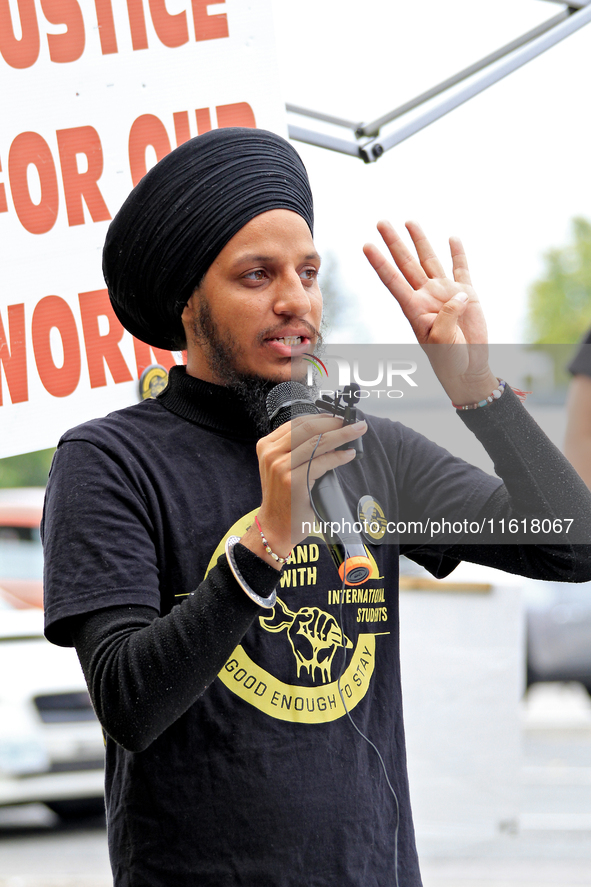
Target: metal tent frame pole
369,143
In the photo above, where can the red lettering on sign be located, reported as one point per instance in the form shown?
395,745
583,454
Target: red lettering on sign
146,130
143,356
3,203
13,355
182,131
149,130
69,46
106,26
137,23
24,52
172,30
101,350
29,148
82,185
208,27
238,114
203,118
53,312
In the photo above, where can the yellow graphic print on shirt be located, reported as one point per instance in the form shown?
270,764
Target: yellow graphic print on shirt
315,637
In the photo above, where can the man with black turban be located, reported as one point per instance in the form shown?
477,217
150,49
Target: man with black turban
209,628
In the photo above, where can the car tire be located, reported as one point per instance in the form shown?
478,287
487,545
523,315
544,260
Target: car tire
77,808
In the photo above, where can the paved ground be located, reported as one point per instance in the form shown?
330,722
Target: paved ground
551,846
36,850
552,843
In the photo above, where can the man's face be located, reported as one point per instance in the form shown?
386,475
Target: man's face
259,306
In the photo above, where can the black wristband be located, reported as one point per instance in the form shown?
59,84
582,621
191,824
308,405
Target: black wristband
251,572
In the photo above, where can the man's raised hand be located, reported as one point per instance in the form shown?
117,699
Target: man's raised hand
443,312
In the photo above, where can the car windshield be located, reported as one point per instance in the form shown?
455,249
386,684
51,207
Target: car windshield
21,554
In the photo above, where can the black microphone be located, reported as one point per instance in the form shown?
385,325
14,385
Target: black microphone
284,402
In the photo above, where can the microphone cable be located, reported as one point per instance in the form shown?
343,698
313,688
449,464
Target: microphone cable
340,676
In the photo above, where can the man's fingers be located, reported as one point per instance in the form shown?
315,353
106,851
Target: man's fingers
299,439
460,262
319,465
429,261
405,261
304,427
444,329
312,448
291,434
390,277
306,430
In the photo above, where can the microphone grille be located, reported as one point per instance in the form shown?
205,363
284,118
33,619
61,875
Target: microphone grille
288,400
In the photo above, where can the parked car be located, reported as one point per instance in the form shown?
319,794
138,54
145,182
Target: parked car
51,745
21,555
558,623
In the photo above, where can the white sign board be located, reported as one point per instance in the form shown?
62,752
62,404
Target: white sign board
93,93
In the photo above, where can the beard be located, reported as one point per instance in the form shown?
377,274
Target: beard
222,354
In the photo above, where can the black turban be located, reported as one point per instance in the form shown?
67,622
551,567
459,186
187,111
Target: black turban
183,212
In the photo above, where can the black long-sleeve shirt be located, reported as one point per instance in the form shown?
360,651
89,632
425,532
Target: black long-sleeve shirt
208,704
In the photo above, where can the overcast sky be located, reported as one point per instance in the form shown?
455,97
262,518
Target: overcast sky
506,171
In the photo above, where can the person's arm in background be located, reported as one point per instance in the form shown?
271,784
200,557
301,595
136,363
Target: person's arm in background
577,440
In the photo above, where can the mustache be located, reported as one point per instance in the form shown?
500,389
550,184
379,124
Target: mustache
278,332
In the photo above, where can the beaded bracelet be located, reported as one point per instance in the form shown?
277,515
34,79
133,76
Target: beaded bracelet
276,557
494,395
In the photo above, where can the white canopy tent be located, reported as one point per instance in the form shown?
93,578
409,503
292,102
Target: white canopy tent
369,141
